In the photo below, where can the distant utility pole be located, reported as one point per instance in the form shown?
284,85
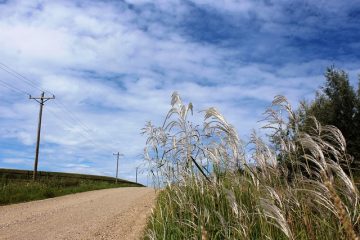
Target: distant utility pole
136,173
117,164
41,100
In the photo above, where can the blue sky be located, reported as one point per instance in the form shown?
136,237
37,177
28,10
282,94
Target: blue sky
114,64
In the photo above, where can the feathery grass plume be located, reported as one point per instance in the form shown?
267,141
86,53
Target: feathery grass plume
275,213
293,188
228,139
170,146
327,150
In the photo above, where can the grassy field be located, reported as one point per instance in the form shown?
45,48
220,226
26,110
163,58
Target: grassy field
16,185
295,185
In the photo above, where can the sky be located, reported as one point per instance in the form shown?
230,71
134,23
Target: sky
113,65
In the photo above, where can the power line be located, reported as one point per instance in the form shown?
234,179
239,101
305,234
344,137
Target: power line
83,133
73,116
85,130
33,84
70,115
12,88
21,77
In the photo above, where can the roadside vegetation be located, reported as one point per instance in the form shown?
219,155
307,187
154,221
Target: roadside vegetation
337,103
293,182
16,185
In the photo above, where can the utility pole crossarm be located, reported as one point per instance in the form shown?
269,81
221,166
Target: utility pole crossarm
41,100
45,98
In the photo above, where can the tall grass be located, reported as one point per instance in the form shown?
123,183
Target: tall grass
20,190
292,186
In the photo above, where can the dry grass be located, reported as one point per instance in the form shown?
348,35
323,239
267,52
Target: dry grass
215,188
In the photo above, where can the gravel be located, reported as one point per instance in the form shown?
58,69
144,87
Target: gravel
118,213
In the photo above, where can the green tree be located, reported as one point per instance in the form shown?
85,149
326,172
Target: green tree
357,124
338,104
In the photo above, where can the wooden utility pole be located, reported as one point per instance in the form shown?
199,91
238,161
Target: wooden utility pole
41,100
136,173
117,164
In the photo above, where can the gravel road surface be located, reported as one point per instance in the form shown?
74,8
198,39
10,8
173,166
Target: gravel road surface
118,213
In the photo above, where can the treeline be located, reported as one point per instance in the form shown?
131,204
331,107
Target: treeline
337,103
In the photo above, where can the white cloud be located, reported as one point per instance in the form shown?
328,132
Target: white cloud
115,68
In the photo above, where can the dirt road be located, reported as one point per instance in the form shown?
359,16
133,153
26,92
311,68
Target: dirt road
104,214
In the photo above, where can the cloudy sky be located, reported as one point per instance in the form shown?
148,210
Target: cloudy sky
114,64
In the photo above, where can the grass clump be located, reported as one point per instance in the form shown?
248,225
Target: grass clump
294,186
